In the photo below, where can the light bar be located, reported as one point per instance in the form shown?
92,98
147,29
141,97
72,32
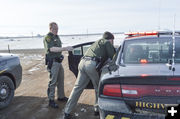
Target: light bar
141,33
161,32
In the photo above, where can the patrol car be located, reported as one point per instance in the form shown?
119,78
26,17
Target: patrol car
143,79
10,77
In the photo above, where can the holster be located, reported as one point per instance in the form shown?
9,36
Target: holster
48,62
59,59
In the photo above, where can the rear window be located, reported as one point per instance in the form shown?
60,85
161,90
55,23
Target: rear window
177,49
155,50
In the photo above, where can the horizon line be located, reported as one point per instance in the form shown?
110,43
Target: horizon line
38,35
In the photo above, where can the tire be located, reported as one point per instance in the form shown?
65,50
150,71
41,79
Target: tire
6,91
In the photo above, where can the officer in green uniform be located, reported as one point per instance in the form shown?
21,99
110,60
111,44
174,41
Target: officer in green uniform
53,49
101,49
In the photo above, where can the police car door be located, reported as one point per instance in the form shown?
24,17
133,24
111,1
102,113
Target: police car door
75,57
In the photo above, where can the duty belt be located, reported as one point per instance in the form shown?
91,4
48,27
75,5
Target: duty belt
91,58
58,59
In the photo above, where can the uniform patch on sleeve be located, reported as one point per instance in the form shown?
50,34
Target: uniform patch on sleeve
48,39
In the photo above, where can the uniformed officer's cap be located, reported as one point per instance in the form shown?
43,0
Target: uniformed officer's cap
108,35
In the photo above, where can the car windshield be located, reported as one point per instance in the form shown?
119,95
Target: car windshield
155,50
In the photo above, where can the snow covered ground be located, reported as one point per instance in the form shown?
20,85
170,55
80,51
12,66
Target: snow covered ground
36,43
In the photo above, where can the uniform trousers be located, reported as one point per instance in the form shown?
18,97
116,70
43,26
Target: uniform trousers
56,76
87,72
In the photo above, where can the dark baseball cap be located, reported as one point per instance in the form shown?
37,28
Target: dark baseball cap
108,35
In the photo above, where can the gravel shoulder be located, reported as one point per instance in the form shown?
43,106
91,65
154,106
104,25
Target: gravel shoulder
30,100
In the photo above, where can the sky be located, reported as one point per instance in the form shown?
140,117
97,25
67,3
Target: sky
32,17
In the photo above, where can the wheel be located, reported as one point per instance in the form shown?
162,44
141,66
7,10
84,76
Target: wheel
6,91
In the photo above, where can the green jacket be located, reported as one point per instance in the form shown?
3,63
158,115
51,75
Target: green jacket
101,48
51,40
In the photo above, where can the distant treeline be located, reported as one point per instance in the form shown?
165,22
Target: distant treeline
39,36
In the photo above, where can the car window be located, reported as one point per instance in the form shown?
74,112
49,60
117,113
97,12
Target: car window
85,48
177,49
147,51
77,51
80,50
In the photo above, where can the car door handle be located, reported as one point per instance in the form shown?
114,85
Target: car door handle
170,67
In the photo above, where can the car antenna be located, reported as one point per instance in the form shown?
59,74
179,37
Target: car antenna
173,54
159,14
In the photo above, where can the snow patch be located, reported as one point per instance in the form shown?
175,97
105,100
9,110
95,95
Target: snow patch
83,110
34,69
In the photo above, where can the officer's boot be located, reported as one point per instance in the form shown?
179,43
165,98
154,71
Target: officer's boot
96,110
64,99
53,104
67,116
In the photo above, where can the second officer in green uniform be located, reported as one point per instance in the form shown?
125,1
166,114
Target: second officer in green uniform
100,50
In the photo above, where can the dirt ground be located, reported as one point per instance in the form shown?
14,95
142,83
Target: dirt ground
30,100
